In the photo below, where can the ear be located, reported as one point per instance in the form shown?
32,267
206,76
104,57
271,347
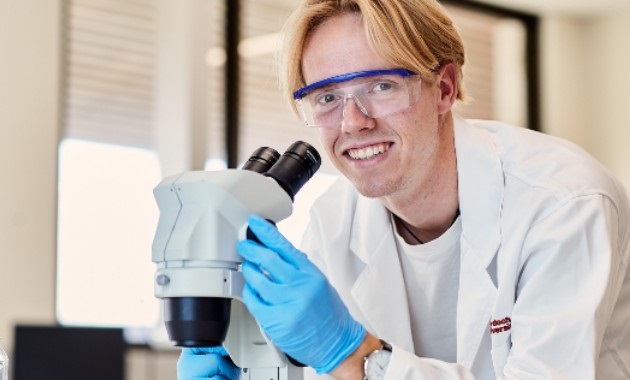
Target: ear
447,85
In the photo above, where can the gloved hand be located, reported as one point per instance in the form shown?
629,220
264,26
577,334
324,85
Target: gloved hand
293,301
206,363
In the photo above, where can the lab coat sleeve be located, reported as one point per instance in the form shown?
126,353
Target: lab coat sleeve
406,366
572,267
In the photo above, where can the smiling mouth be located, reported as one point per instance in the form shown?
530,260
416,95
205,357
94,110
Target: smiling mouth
368,152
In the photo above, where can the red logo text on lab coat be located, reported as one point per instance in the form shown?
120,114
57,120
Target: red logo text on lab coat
500,325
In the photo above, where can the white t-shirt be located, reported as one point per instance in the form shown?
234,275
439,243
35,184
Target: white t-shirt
431,275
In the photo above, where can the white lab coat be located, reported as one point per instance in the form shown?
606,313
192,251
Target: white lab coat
544,258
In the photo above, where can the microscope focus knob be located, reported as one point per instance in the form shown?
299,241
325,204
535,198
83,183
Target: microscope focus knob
162,279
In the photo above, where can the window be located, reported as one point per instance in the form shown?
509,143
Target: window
107,219
107,167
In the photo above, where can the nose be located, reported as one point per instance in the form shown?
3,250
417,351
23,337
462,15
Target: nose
354,116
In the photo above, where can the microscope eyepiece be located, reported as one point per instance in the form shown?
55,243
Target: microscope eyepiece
296,166
261,160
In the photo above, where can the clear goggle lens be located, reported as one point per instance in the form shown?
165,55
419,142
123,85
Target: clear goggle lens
377,93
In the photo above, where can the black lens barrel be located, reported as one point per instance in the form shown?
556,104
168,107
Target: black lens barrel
197,321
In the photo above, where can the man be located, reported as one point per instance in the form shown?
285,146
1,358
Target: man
451,249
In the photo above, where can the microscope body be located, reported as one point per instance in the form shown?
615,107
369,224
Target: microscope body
202,217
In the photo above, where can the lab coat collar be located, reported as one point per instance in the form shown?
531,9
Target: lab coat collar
481,186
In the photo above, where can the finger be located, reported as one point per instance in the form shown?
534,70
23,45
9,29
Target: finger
269,261
227,370
268,291
255,277
220,350
269,235
198,366
255,304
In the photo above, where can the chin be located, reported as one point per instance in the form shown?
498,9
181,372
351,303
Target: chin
370,189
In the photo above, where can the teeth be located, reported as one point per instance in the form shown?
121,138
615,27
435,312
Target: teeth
367,152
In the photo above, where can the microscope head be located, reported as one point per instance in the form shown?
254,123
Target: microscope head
202,217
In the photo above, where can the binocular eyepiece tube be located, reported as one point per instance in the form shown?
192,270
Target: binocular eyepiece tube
291,170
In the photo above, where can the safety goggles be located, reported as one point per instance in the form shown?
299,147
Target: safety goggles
377,93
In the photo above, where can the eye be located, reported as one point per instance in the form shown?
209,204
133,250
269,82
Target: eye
383,86
326,98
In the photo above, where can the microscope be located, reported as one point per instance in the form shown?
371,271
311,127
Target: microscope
203,215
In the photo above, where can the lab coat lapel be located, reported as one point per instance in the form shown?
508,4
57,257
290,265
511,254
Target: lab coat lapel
481,186
379,290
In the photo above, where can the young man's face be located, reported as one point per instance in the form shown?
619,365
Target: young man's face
381,156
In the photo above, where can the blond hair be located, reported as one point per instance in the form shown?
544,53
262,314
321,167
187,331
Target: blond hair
414,34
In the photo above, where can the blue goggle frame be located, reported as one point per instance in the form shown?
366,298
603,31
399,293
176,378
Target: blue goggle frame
302,92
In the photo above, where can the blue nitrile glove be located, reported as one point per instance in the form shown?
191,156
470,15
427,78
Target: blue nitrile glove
294,303
206,363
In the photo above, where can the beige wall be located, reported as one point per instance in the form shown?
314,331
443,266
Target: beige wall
29,96
584,84
608,59
585,80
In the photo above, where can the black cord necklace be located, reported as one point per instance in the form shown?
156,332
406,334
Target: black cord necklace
408,229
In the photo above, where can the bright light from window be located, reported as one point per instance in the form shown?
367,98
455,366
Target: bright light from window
293,227
107,219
